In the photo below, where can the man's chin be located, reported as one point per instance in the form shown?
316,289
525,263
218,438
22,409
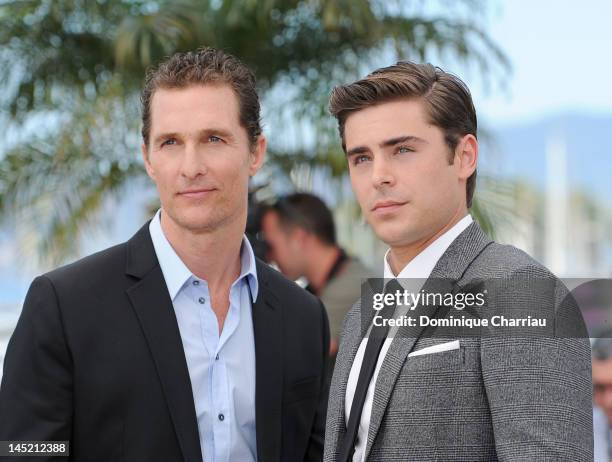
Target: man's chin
196,222
391,233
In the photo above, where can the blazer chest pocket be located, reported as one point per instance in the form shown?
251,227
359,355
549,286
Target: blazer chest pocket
444,360
302,389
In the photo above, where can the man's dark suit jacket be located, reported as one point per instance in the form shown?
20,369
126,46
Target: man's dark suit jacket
97,359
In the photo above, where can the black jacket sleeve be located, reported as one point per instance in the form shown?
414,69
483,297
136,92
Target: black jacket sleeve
36,390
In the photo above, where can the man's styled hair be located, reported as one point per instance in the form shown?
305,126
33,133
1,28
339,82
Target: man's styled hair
308,212
446,98
203,67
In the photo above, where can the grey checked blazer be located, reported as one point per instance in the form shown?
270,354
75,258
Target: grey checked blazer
493,399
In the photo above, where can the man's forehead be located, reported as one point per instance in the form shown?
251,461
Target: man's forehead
218,98
378,128
173,108
378,123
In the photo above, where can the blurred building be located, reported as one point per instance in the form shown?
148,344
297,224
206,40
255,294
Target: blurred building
560,226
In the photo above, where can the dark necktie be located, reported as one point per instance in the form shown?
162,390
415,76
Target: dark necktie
377,337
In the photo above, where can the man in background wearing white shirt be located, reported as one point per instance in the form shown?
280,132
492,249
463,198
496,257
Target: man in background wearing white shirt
409,133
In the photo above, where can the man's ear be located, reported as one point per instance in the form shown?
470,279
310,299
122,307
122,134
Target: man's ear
147,163
257,155
466,156
300,235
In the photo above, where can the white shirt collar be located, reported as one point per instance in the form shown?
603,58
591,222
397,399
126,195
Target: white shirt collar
176,273
421,266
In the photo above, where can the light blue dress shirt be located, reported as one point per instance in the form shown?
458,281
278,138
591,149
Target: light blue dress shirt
221,367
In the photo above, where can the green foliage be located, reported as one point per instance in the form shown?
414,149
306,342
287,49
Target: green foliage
75,67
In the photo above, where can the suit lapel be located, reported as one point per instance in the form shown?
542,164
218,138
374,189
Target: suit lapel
268,331
451,266
155,312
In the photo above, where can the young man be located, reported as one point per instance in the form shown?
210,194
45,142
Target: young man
177,345
300,232
409,133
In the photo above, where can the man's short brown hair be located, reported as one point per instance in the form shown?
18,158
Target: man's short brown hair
309,212
446,98
205,66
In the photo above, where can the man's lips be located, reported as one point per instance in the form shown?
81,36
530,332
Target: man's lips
387,206
196,193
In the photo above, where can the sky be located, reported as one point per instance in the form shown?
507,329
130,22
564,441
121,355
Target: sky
561,55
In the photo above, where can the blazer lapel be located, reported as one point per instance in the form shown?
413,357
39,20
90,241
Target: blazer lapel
451,266
155,312
268,331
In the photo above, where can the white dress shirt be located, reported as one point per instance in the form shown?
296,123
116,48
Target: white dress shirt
420,267
221,365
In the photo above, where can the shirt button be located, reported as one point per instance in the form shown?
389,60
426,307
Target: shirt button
202,300
196,283
221,417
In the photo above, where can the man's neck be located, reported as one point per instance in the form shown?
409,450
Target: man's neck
400,256
320,262
212,256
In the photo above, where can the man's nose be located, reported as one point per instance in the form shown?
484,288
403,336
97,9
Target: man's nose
194,162
382,173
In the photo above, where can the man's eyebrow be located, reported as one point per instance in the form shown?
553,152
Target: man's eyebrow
164,136
386,144
216,131
357,150
207,131
401,139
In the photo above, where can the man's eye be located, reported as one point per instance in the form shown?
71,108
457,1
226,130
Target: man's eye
169,142
214,139
404,149
360,159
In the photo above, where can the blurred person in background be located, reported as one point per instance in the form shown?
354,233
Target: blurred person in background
178,345
300,234
602,395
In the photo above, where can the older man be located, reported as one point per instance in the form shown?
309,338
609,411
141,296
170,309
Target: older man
178,345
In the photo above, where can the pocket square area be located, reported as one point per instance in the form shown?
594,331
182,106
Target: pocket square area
454,345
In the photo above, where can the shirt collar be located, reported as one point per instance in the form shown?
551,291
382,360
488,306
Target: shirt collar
421,266
176,273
